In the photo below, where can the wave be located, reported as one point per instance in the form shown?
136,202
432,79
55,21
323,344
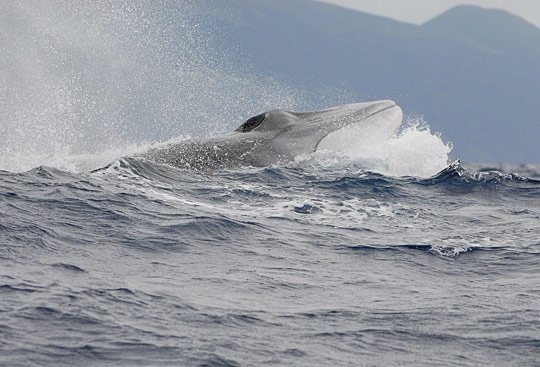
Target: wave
414,151
143,206
453,176
451,251
456,176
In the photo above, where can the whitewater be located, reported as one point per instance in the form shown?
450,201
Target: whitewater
374,251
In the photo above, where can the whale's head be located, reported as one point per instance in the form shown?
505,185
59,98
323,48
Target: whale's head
283,135
278,136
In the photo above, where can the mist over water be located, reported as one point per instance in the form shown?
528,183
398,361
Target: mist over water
87,77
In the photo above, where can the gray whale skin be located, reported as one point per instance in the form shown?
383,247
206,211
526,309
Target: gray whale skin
280,136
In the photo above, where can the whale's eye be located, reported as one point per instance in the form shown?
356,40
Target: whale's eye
251,124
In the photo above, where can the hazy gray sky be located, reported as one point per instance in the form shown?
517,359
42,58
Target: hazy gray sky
418,11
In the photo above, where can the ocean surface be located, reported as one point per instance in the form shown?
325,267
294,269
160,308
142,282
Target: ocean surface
300,264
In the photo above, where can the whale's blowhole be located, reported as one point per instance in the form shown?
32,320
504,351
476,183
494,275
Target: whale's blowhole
251,123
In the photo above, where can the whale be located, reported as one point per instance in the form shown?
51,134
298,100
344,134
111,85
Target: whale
280,136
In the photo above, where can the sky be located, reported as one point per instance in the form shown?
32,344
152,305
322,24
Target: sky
419,11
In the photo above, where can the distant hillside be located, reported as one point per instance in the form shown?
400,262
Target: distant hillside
492,28
473,73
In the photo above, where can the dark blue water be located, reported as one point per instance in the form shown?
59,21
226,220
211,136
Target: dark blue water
144,264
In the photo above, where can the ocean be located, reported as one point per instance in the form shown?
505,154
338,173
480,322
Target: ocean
144,264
